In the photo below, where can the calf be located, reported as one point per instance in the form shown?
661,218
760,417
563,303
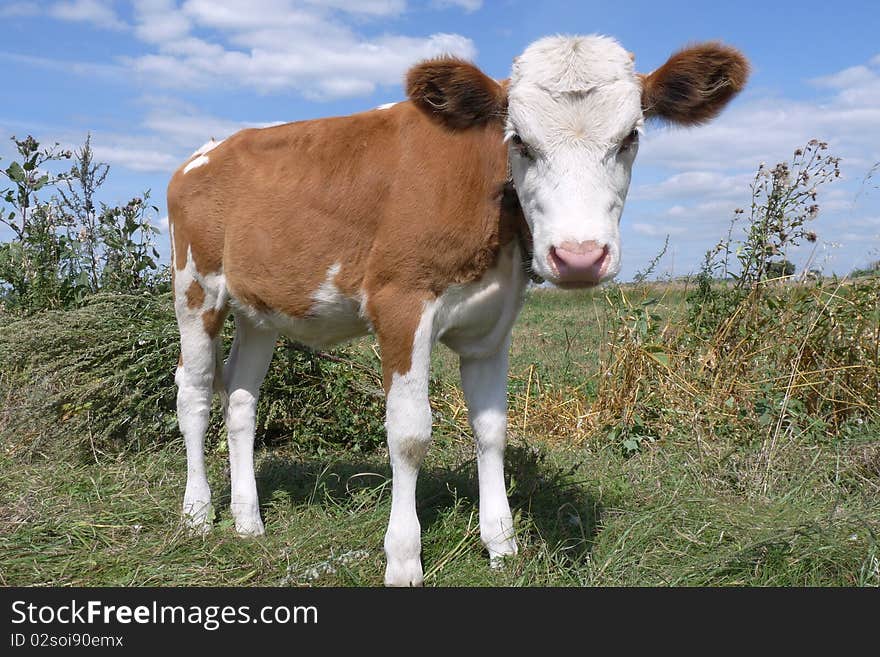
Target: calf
419,222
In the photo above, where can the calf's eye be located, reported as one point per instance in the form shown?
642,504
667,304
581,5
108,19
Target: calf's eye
522,147
630,140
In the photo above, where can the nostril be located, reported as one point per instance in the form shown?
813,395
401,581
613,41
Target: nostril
582,248
579,256
582,260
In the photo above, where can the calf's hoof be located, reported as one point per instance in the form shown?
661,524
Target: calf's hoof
198,517
249,527
500,551
404,572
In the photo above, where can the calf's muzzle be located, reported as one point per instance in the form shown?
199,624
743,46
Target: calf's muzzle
579,264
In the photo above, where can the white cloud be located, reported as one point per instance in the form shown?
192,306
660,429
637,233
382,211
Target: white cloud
170,131
694,183
185,128
370,7
73,67
469,6
279,45
98,12
657,230
160,21
848,77
133,156
15,9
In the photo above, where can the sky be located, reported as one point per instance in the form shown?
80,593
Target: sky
152,80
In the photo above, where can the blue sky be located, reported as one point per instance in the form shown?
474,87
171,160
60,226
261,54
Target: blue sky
154,79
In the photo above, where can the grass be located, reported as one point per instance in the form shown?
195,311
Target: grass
695,506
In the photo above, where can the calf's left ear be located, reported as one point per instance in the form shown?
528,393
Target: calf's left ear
695,84
455,92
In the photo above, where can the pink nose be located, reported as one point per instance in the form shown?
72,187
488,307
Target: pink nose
579,263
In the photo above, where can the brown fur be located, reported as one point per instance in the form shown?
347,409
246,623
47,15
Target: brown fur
406,204
695,84
455,92
195,295
213,320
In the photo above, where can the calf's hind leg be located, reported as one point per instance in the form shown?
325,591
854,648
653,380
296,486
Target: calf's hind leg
244,373
195,378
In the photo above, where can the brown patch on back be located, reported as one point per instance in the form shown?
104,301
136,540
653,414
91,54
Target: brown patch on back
198,223
695,84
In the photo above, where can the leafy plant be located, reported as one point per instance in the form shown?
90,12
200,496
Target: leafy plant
71,245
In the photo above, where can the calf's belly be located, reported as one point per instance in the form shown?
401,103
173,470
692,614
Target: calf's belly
333,323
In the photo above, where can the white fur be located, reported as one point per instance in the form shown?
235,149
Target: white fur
385,106
244,373
573,100
195,382
196,163
207,147
408,425
484,381
474,319
201,157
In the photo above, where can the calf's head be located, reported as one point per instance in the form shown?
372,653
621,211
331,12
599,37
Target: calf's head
572,112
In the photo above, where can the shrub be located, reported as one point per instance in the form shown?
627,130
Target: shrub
70,245
756,360
103,375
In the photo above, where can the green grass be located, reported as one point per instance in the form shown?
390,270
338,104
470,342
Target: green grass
695,508
583,518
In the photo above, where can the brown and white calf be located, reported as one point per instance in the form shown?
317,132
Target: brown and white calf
420,222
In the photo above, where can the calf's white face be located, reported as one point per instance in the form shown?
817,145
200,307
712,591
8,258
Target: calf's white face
574,114
575,109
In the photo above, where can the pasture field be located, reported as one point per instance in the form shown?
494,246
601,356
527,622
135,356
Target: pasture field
645,449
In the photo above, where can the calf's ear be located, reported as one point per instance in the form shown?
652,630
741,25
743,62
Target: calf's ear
455,92
695,84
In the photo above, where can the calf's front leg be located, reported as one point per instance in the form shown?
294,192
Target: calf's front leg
406,358
484,381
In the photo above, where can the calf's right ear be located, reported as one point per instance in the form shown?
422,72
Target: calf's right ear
455,92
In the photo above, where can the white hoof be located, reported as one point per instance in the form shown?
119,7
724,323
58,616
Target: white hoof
250,528
499,551
248,523
404,572
198,516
